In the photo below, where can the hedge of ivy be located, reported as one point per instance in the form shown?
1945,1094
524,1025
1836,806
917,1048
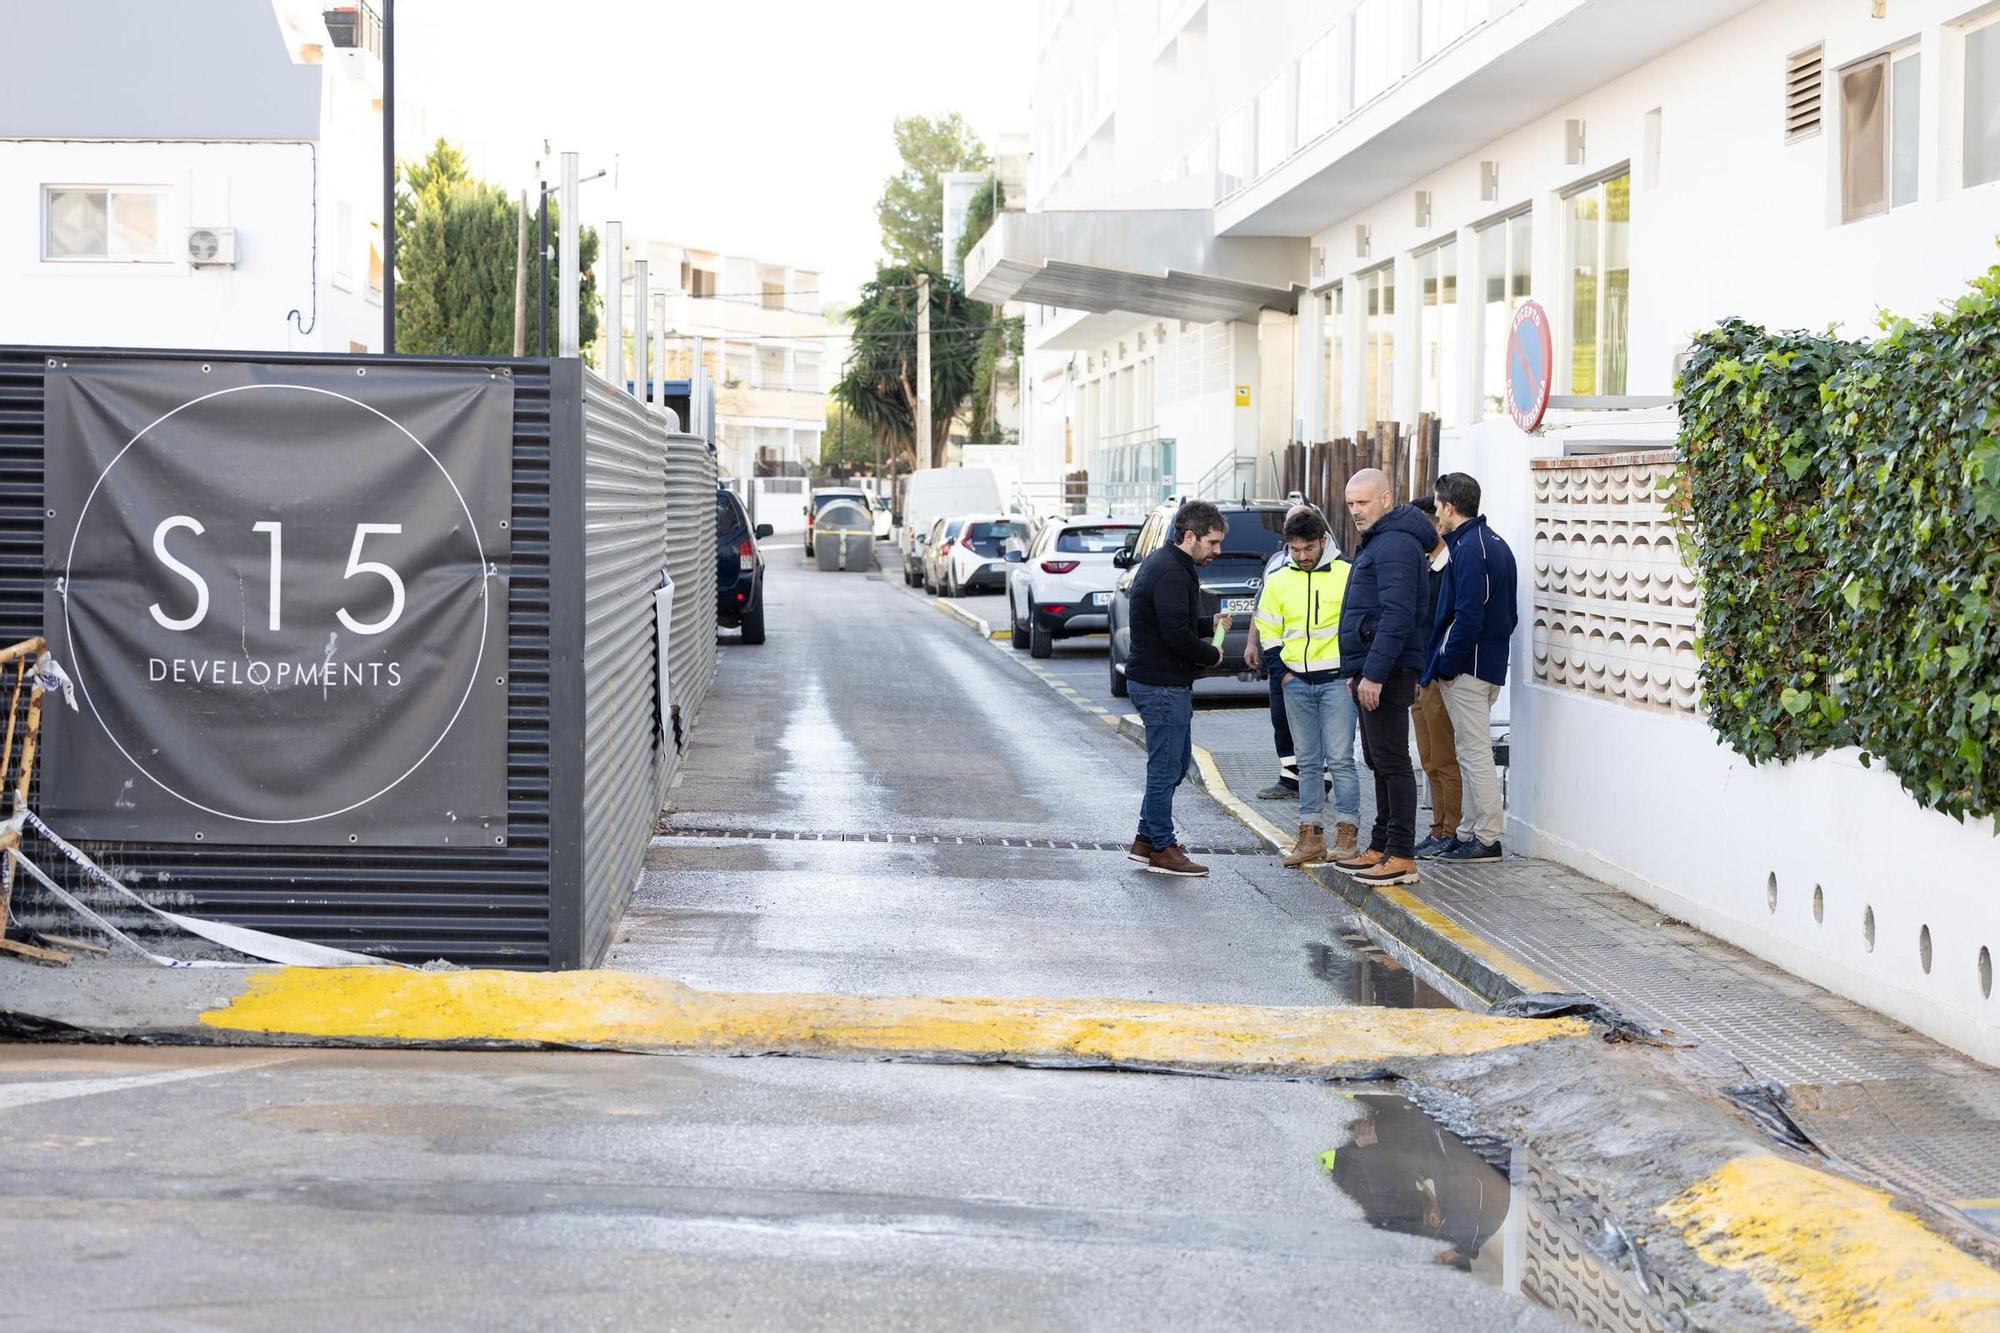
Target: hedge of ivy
1841,505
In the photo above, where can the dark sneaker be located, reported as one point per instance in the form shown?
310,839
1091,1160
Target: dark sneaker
1174,861
1278,791
1390,870
1368,858
1472,850
1141,851
1435,845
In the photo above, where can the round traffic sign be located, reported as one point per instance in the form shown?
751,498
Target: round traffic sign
1530,365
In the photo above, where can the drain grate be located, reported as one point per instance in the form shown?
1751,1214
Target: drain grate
929,840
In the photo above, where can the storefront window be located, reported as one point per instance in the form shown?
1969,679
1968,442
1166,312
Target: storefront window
1332,316
1437,279
1504,265
1600,280
1378,370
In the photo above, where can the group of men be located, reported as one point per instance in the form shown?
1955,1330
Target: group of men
1418,621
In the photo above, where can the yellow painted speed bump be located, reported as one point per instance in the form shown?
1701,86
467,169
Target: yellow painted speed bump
629,1010
1831,1253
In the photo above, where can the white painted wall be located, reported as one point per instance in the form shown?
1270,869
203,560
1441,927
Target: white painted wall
1654,804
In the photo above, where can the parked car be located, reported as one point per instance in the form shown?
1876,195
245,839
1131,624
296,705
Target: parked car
821,498
884,518
974,558
739,567
931,494
1229,584
936,549
1062,586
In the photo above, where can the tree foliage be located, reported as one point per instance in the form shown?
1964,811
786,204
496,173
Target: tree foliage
879,383
455,254
1843,504
911,209
847,443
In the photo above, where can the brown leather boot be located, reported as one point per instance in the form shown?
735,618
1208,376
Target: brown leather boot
1140,851
1364,861
1346,843
1390,870
1174,861
1311,846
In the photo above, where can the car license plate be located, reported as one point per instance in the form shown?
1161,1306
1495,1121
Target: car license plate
1239,606
1100,599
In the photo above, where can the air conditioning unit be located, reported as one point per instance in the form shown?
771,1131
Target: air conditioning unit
211,247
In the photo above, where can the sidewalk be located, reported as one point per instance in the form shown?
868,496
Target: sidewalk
1881,1101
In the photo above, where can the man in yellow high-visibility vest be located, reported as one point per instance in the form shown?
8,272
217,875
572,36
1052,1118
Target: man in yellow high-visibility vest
1299,610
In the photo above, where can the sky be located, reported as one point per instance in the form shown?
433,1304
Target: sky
759,127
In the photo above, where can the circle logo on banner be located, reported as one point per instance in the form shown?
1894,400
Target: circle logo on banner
1530,365
241,568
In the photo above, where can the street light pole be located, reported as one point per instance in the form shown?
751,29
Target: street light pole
388,175
542,314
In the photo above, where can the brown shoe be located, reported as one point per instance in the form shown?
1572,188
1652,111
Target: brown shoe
1390,870
1140,851
1346,843
1311,846
1174,861
1364,861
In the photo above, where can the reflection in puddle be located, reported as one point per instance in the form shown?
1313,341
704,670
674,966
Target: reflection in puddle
1365,975
1500,1216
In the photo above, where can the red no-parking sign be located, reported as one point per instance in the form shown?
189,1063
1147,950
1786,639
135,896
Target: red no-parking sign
1530,365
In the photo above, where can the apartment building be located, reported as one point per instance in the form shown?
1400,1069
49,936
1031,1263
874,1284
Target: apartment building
210,181
765,342
1258,221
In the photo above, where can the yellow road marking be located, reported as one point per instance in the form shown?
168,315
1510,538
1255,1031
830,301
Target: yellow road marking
631,1010
1211,777
1831,1253
1516,971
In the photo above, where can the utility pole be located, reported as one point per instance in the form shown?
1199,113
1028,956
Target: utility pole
542,289
388,176
642,334
614,304
521,279
569,292
923,431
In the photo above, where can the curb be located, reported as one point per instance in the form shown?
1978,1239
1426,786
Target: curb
966,618
1462,954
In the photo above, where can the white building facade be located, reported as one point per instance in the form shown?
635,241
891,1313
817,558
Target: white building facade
1374,185
195,184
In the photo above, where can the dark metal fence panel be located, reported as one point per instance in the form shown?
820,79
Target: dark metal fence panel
625,550
692,556
473,907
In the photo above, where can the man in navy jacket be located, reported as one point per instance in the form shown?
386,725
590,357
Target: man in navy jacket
1382,652
1470,633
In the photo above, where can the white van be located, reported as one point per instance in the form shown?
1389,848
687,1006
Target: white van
933,493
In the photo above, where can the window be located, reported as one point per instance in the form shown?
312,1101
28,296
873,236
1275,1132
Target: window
343,245
1804,77
1879,127
1437,284
1371,45
1378,331
1333,359
104,222
805,370
1982,104
1317,112
771,368
1504,265
1597,256
736,368
703,282
1255,533
1442,22
1102,539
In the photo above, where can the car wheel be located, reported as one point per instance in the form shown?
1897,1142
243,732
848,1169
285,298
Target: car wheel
951,585
1117,677
1041,642
753,620
1020,631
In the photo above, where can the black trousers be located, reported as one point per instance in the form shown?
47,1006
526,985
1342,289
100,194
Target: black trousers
1281,723
1385,745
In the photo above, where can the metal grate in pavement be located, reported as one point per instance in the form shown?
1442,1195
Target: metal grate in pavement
1935,1135
928,840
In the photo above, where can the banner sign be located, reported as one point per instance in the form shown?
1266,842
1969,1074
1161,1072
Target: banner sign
281,592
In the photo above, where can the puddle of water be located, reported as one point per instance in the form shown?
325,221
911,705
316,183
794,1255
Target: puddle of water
1497,1215
1365,975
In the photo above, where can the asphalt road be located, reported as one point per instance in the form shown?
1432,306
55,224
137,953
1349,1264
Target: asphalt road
179,1188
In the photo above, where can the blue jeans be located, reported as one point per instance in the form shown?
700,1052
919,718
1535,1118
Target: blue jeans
1169,717
1322,717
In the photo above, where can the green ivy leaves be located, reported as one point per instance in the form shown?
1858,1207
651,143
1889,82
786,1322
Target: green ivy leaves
1841,507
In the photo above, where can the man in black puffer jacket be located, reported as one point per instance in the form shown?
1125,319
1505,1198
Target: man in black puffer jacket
1168,653
1382,641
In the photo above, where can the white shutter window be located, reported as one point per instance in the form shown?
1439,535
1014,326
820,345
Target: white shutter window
1805,80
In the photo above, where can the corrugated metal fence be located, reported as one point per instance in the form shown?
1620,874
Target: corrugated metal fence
604,498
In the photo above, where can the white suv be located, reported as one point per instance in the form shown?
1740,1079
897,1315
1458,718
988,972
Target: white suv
974,557
1063,587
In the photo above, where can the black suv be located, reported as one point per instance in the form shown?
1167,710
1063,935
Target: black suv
1230,583
739,568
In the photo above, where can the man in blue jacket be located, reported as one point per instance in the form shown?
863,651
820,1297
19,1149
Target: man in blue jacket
1473,625
1382,652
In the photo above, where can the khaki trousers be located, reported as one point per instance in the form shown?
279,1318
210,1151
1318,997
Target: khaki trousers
1469,701
1439,759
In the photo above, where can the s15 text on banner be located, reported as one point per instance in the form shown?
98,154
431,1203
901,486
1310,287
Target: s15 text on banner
282,593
